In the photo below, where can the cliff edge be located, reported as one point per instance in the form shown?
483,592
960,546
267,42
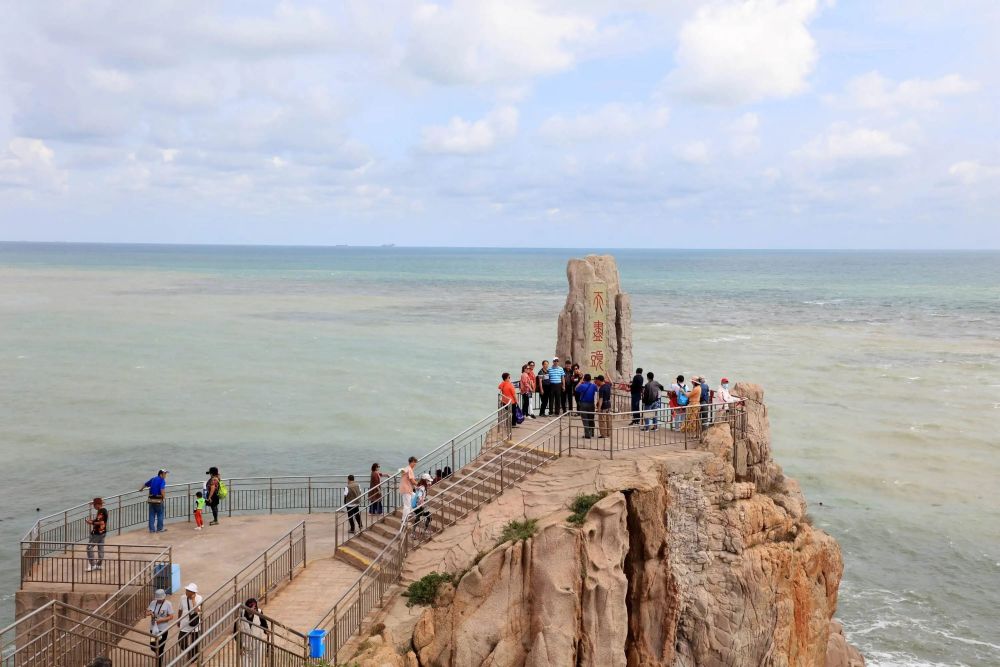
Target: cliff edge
696,558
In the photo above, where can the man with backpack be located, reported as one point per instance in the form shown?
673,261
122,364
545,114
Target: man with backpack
636,390
651,402
157,489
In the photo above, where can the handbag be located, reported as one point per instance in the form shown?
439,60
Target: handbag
518,415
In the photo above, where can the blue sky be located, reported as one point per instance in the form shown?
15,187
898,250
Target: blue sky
591,123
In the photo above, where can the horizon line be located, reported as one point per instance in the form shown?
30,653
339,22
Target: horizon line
392,246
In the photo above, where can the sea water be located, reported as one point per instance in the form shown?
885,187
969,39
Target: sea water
881,371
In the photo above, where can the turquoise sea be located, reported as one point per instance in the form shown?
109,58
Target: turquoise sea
882,372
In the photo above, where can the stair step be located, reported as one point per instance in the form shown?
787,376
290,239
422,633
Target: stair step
352,557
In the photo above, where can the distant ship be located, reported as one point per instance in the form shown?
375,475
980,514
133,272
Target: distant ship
388,245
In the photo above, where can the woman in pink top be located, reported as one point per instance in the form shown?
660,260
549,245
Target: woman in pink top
407,483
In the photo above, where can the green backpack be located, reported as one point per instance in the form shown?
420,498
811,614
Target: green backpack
223,490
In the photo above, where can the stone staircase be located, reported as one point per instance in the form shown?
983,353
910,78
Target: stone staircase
448,500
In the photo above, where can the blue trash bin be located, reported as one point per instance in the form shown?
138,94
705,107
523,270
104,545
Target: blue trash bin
317,643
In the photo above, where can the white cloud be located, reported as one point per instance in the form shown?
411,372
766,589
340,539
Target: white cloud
462,137
473,42
873,91
743,132
971,172
744,51
694,152
29,163
613,120
842,142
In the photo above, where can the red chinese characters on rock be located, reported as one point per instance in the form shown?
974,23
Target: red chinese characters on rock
597,360
598,302
598,332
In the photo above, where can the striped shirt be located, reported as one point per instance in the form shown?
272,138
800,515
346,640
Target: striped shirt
556,374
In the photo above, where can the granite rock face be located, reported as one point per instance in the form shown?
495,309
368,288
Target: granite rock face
570,337
682,563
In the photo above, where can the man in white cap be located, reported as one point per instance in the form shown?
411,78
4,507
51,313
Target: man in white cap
190,614
160,613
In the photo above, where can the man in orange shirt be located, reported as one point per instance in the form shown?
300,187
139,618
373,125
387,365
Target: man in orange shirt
508,396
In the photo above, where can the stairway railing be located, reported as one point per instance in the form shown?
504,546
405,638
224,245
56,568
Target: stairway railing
498,469
453,454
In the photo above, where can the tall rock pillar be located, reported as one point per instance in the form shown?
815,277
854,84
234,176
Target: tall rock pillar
595,325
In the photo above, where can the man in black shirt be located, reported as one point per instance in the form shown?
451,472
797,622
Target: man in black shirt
636,389
98,530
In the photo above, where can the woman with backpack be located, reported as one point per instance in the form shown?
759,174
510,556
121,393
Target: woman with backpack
213,493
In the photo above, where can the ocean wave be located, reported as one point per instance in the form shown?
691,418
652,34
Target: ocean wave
817,302
728,339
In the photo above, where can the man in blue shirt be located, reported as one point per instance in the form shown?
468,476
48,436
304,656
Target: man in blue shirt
586,392
157,490
557,380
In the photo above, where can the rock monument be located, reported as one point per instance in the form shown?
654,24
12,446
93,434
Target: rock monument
595,325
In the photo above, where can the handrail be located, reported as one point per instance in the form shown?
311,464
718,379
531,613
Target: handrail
70,521
398,546
446,443
232,616
453,453
287,560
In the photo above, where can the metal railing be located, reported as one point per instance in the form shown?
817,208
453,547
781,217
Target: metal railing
450,456
62,634
130,509
611,432
485,478
275,566
240,639
70,563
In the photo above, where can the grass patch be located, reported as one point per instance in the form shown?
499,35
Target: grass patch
424,590
515,531
581,505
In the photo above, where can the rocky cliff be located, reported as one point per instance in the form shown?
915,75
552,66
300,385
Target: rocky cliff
696,558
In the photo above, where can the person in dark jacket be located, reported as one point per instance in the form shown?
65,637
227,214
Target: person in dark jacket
636,390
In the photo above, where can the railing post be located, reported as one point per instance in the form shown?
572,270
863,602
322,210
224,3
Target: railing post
309,494
266,578
190,504
303,544
291,555
360,615
121,519
72,568
66,526
453,456
270,495
611,438
336,530
229,502
501,471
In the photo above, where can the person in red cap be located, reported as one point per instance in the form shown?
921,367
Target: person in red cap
723,398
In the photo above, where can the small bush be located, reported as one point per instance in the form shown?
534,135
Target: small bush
515,531
424,590
479,556
581,505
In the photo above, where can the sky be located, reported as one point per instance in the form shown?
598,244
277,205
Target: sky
565,123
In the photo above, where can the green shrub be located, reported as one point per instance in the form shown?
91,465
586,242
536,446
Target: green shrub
424,590
515,531
581,505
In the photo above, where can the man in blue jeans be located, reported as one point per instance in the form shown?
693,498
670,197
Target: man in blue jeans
157,487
